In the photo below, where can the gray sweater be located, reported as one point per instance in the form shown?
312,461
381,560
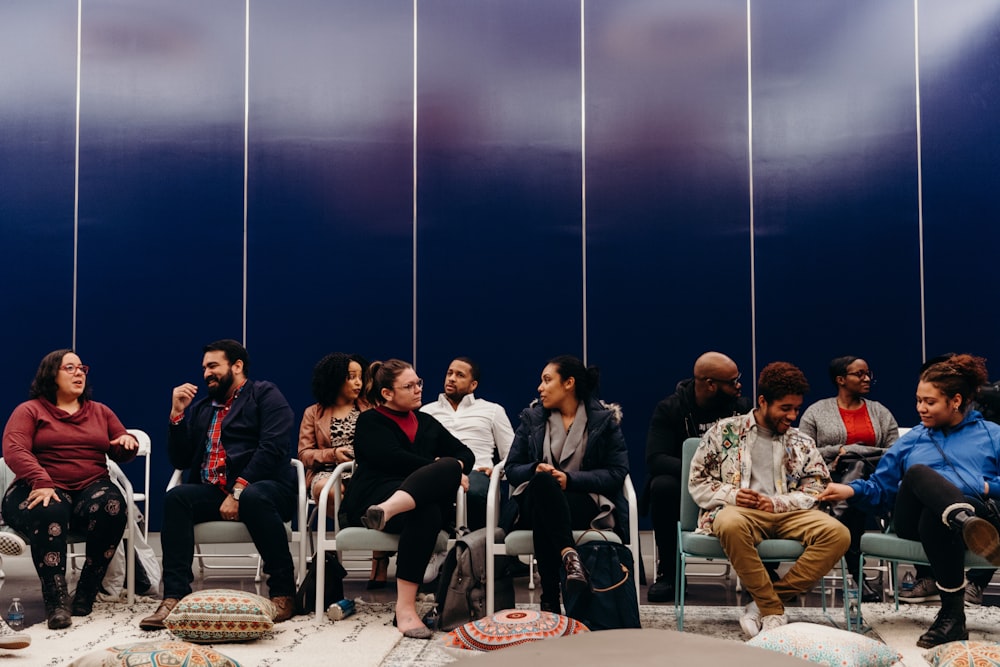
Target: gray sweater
822,422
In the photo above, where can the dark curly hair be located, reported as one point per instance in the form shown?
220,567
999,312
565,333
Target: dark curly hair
587,378
779,379
44,384
330,375
960,374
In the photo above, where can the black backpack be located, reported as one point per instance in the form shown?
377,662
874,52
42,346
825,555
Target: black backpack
461,595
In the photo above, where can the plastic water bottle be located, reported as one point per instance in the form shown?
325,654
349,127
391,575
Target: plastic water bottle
338,611
908,581
15,615
852,604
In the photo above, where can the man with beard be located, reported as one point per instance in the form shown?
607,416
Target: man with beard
755,477
697,403
481,425
236,444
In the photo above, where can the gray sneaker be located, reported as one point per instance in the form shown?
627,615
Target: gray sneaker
924,590
750,620
13,639
973,594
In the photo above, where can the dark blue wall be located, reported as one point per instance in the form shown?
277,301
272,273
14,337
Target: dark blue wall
635,183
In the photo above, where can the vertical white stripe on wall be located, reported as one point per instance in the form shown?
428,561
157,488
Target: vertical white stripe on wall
583,171
414,203
920,179
246,152
76,167
753,251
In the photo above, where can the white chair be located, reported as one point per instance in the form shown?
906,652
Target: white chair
520,542
145,451
354,538
119,478
235,532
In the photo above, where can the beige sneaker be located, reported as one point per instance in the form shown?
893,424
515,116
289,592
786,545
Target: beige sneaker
773,621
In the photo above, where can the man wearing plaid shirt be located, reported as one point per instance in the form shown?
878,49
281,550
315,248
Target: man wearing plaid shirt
235,444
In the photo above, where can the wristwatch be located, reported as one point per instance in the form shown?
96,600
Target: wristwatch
237,492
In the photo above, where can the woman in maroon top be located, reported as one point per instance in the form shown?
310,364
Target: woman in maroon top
57,444
409,468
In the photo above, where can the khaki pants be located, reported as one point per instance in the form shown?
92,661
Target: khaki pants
741,529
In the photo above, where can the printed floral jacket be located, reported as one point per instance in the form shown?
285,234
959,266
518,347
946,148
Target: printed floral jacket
721,466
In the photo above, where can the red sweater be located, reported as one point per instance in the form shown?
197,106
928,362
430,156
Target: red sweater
48,447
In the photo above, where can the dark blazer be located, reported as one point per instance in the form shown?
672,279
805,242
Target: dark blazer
605,463
257,435
384,457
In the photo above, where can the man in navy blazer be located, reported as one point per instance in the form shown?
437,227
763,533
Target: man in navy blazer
235,444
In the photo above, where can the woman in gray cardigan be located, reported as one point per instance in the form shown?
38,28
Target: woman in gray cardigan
850,425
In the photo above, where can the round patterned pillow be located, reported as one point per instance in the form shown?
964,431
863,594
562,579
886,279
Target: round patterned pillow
159,653
509,628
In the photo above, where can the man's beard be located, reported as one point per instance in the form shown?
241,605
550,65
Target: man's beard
220,392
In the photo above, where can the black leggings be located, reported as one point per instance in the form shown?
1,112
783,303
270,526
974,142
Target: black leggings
433,488
923,497
97,511
552,514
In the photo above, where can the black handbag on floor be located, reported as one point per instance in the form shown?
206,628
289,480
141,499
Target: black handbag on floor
333,584
613,602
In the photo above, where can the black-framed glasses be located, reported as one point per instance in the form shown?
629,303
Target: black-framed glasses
732,383
861,375
73,368
411,386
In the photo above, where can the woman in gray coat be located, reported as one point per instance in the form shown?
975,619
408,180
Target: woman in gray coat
850,426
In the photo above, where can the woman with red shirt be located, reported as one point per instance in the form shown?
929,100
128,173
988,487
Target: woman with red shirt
851,423
57,443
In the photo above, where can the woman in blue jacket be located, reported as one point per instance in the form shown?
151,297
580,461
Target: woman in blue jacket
567,465
936,479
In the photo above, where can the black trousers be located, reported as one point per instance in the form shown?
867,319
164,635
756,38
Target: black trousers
552,515
97,511
923,496
433,488
665,511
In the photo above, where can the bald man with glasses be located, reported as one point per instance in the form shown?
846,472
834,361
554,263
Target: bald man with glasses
713,393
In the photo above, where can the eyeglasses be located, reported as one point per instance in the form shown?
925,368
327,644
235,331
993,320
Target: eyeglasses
732,383
861,375
412,386
73,368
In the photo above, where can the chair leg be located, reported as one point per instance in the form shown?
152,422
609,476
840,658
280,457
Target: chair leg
531,572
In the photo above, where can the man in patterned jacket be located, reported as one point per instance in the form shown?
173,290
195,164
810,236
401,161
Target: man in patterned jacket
756,477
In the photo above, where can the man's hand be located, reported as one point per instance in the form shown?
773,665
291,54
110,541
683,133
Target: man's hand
230,509
182,397
485,471
465,482
747,498
765,504
42,496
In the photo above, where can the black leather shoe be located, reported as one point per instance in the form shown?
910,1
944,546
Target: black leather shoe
662,590
947,627
869,593
577,578
548,605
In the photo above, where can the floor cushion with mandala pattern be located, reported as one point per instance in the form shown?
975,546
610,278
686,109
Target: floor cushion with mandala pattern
511,627
162,653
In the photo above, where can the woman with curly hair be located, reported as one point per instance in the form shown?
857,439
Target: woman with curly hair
326,434
567,466
937,478
57,443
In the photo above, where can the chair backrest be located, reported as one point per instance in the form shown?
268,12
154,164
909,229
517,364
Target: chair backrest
689,508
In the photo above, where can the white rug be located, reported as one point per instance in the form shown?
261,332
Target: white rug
361,640
900,629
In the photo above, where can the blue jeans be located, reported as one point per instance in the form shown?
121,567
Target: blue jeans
264,508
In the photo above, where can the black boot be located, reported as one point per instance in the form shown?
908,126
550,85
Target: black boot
979,534
949,626
56,602
86,590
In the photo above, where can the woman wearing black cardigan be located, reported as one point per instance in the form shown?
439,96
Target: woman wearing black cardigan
408,469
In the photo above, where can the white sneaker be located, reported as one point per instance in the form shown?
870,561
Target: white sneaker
12,639
773,621
750,620
11,544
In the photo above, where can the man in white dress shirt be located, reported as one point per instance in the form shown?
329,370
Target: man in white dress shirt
482,425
